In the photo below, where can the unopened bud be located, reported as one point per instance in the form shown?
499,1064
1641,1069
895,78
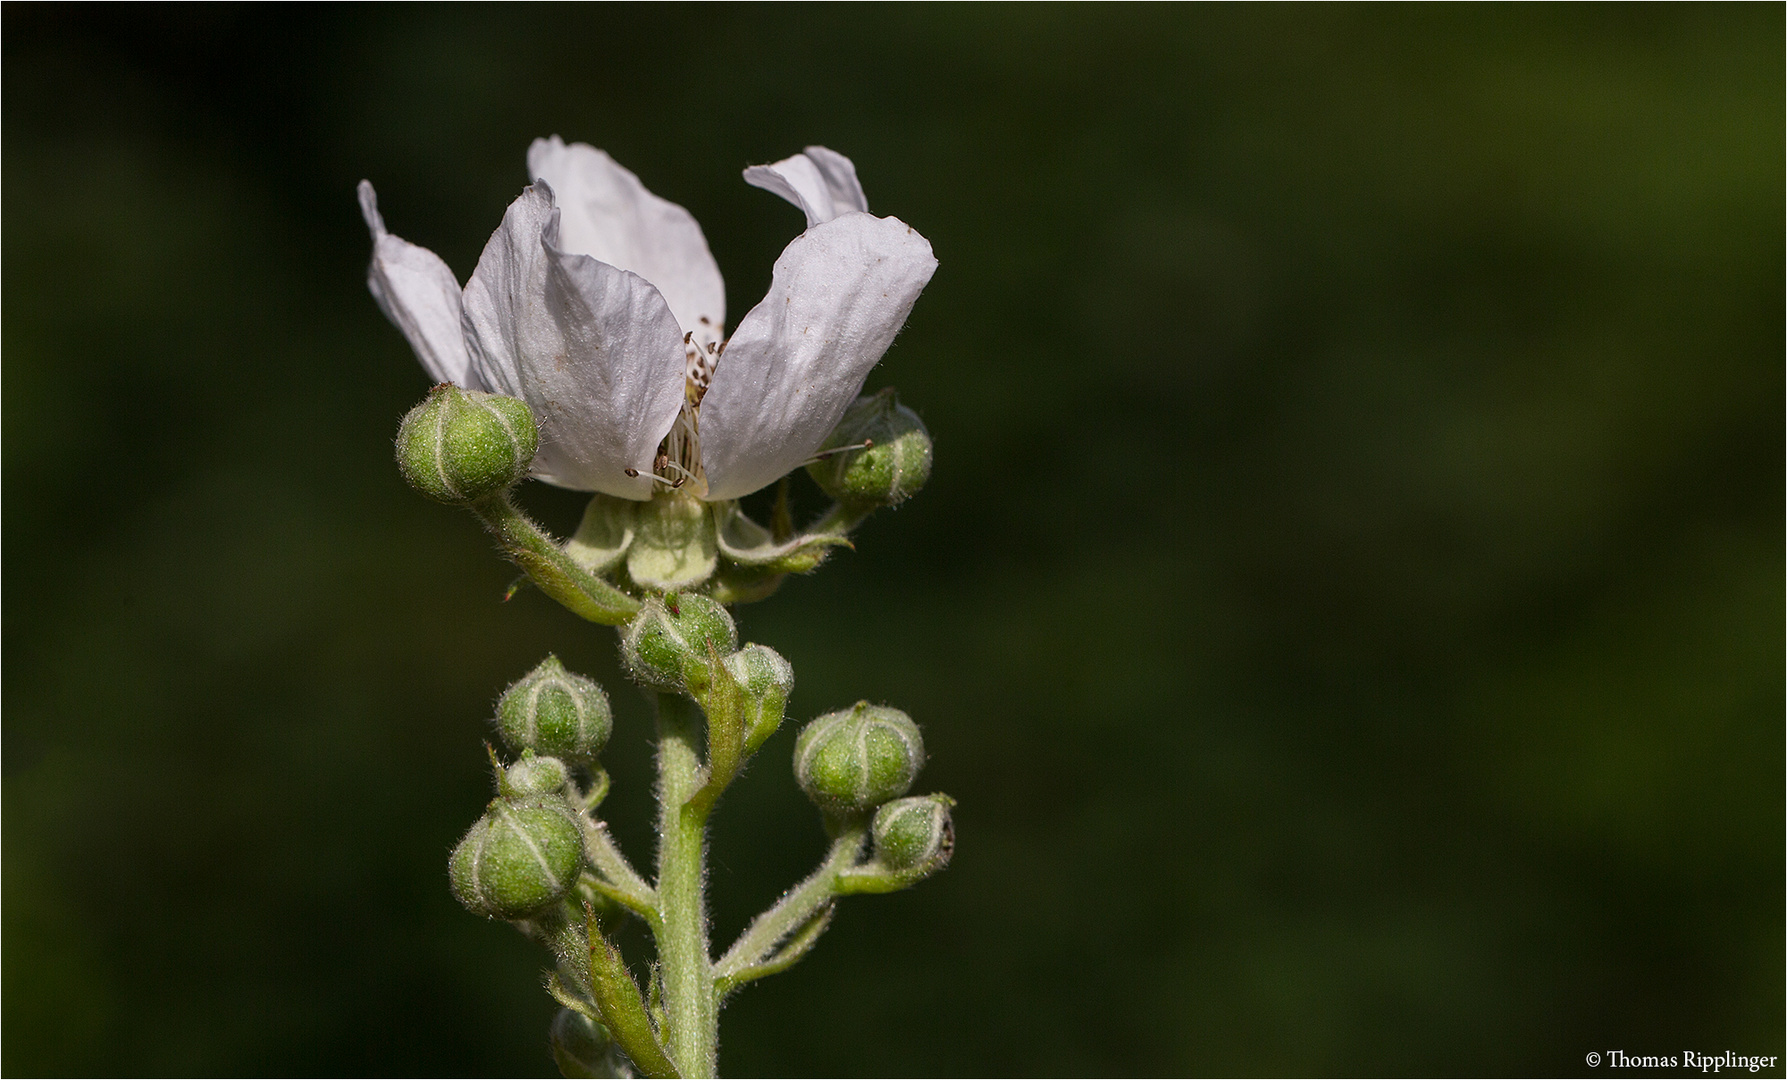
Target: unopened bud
766,679
520,858
893,465
532,777
854,760
672,641
580,1045
915,831
459,446
555,713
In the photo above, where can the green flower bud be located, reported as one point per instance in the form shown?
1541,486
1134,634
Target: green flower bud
521,857
532,777
667,645
459,446
555,713
855,760
766,679
911,832
890,469
580,1045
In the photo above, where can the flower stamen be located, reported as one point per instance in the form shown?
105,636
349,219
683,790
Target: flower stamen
679,456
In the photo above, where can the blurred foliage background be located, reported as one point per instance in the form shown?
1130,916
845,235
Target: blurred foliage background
1348,604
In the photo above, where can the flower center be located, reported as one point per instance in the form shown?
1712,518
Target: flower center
679,456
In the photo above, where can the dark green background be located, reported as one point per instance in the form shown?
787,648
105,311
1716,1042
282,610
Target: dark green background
1348,604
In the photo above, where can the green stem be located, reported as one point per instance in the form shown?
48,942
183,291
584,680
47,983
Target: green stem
691,1010
794,911
615,877
554,572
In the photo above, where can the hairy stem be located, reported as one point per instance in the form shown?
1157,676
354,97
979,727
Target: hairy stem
555,573
691,1011
795,910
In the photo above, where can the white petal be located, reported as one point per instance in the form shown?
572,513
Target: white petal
419,294
840,293
593,350
821,182
608,214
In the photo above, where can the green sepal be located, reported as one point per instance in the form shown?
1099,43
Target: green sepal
673,544
733,584
604,534
746,543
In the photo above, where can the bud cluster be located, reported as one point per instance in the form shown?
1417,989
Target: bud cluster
527,851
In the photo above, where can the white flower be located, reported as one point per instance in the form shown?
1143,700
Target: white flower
599,304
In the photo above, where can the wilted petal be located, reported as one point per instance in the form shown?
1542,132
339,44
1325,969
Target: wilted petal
606,213
419,294
593,350
821,182
839,294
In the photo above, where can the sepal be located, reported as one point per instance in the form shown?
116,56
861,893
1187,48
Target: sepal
746,543
604,534
673,545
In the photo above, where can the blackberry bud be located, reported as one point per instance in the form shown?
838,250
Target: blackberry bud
854,760
890,469
460,446
521,857
580,1045
911,832
532,777
555,713
766,678
667,645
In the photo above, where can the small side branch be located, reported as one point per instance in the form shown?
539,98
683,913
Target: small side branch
615,877
552,570
792,917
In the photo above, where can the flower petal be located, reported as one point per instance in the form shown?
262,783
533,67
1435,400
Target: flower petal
608,214
821,182
593,350
840,293
419,294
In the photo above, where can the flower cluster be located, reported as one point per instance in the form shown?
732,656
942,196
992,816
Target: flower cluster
599,305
